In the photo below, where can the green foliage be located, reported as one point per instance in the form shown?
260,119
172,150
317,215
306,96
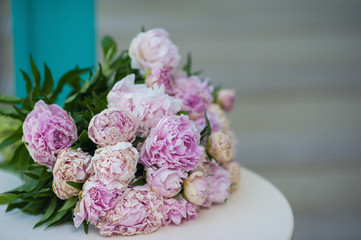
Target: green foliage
182,113
138,140
76,185
188,67
207,130
36,197
215,93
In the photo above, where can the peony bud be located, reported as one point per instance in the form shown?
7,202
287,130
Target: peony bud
196,188
226,99
219,145
234,168
70,165
166,182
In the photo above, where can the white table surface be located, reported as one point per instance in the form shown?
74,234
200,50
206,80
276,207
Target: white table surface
257,210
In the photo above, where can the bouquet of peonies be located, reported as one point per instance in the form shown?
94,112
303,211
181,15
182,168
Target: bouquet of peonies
135,146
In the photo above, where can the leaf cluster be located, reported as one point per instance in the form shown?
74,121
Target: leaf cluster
36,197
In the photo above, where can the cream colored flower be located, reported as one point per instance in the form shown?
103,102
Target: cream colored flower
219,145
70,165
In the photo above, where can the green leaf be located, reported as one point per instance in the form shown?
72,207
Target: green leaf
143,28
99,104
22,115
188,67
70,203
215,93
56,218
9,112
15,205
28,103
65,79
85,143
9,99
31,174
138,140
48,81
77,185
140,182
36,74
7,198
14,137
182,112
27,81
109,47
86,227
49,211
206,132
35,206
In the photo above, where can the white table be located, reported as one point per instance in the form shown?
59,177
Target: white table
257,210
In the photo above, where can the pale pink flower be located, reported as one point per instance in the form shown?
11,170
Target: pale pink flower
196,188
70,165
160,75
175,210
164,181
151,105
138,211
122,93
220,182
96,200
47,130
115,165
226,99
112,126
153,46
196,95
173,143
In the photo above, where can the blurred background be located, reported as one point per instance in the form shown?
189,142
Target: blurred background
296,65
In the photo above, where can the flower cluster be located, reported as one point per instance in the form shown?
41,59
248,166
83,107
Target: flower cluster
157,152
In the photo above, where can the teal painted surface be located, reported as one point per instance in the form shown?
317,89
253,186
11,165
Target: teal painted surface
60,33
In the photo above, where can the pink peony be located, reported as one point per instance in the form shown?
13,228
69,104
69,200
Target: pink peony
112,126
226,99
160,75
164,181
173,143
151,105
175,210
153,46
96,200
115,165
219,180
122,93
138,211
196,188
70,165
196,95
47,130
